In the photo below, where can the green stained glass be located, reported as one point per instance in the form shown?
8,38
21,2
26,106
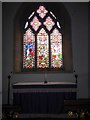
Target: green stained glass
59,55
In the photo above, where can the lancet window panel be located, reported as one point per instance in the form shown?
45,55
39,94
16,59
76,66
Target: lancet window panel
42,49
56,49
29,49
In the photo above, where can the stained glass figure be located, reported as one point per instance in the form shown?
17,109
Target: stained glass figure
49,23
29,49
42,49
42,11
35,23
56,49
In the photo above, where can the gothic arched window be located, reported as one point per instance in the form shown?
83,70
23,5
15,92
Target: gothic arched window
42,41
42,38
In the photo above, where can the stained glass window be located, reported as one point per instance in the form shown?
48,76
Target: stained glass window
52,14
42,11
49,23
42,49
26,25
35,23
29,49
31,15
42,41
56,49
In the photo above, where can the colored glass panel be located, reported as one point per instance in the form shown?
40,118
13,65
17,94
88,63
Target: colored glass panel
35,23
52,14
49,23
29,49
42,49
26,25
56,49
58,24
31,15
42,11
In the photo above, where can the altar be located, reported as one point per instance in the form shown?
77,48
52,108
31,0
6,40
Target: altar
40,97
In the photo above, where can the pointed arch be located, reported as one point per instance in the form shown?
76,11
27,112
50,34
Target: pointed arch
29,49
42,49
43,18
56,49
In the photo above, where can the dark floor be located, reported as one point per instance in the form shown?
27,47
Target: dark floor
76,106
43,119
